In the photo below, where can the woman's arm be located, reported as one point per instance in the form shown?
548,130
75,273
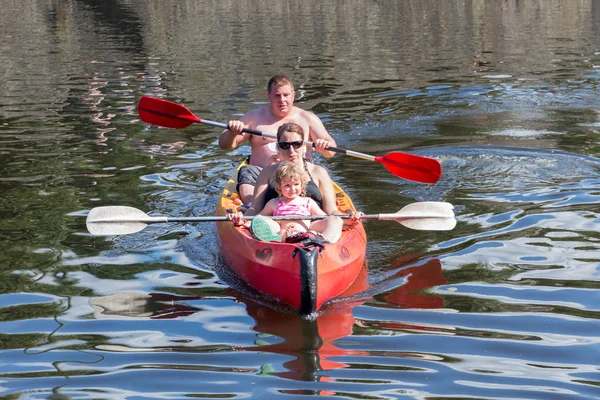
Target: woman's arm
260,190
328,192
325,184
314,208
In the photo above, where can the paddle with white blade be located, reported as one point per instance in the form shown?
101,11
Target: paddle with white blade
123,220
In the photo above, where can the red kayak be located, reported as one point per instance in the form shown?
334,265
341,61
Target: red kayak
304,277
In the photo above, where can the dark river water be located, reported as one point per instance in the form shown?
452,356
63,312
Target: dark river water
505,94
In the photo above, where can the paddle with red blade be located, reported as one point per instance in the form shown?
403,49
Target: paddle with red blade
407,166
122,220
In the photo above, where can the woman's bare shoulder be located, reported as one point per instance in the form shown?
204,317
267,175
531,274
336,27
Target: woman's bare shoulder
318,170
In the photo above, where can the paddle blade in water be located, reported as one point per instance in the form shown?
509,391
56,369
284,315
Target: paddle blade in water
165,113
412,167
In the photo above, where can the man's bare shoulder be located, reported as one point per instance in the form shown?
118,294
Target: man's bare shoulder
312,120
305,114
254,117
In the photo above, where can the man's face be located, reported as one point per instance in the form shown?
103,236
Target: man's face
281,99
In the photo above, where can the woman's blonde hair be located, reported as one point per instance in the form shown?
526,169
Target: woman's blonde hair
289,170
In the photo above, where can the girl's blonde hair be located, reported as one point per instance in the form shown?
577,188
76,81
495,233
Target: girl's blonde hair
289,170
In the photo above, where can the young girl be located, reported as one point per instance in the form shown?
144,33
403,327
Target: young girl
290,184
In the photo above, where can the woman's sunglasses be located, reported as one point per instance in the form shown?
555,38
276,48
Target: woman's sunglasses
286,145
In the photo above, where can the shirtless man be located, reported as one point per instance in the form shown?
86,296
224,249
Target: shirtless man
281,109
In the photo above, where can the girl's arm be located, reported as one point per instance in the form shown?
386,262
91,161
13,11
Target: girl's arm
269,209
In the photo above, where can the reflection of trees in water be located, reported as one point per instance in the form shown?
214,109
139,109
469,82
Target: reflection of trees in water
311,343
27,312
428,40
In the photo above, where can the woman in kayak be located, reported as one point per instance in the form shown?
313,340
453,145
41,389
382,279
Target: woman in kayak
291,148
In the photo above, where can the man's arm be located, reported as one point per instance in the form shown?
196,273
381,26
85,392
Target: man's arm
233,136
319,135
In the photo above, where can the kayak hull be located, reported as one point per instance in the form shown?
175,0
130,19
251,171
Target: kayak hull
278,270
